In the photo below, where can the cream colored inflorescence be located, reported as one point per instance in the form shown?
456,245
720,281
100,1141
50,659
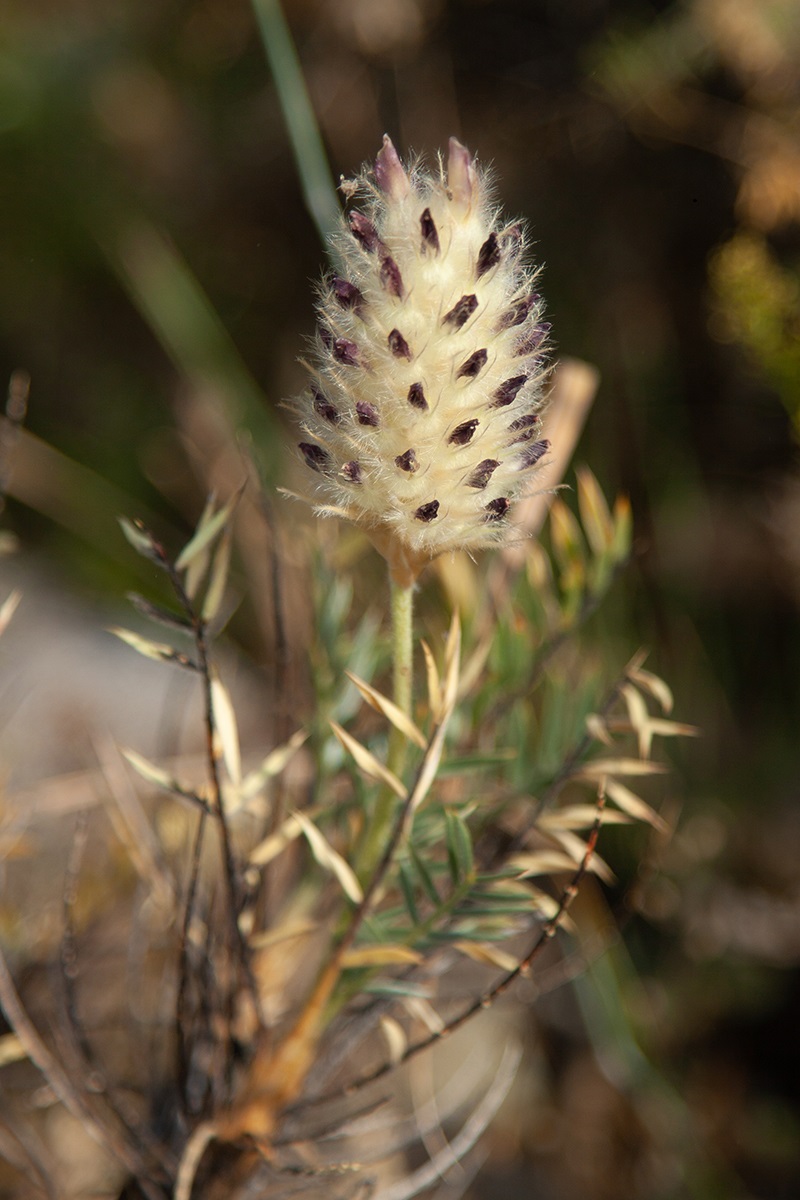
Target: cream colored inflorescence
421,422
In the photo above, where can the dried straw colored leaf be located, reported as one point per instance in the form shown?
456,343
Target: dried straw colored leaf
651,683
366,762
139,538
9,607
452,662
487,954
432,678
159,651
576,848
389,709
218,579
421,1010
663,728
579,816
381,956
272,765
595,515
542,862
396,1040
598,729
11,1049
623,529
276,843
210,524
633,805
565,533
227,730
159,777
618,766
329,859
639,718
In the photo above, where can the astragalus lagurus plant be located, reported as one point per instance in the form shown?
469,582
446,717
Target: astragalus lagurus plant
372,884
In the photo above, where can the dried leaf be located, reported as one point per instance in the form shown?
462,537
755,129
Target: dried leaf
381,956
432,676
366,762
618,766
576,848
330,859
542,862
159,651
657,688
597,728
227,730
210,524
396,1040
487,954
11,1049
140,538
276,843
218,579
623,529
160,778
272,765
633,805
565,534
639,717
595,516
422,1010
579,816
9,607
389,709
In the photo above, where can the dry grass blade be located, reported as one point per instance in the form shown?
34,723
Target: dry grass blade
226,729
162,779
159,651
633,805
381,956
487,954
272,765
211,523
595,516
389,709
601,767
432,679
276,843
657,688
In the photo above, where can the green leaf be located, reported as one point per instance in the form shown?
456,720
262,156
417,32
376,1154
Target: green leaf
424,876
211,524
459,846
141,540
407,888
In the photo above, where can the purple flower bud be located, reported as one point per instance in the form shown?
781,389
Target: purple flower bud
523,427
430,236
391,279
315,456
389,173
323,407
462,434
345,352
488,255
398,345
531,454
427,512
473,366
497,509
347,293
351,471
483,473
407,461
364,232
508,391
416,396
367,414
516,314
461,312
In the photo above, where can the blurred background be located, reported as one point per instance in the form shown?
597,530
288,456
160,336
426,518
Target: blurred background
156,263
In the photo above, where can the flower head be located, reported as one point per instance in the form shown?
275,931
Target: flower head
421,421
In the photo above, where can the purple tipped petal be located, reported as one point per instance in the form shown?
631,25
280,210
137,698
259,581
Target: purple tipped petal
428,512
508,391
416,396
323,407
389,173
367,414
315,456
351,471
398,345
532,341
523,427
345,352
483,473
531,454
407,461
473,366
347,293
391,279
461,312
497,509
516,314
430,236
364,232
460,177
462,434
488,255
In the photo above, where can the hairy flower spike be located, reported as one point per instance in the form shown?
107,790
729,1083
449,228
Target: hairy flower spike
429,364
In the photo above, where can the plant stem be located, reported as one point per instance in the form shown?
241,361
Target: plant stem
377,831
